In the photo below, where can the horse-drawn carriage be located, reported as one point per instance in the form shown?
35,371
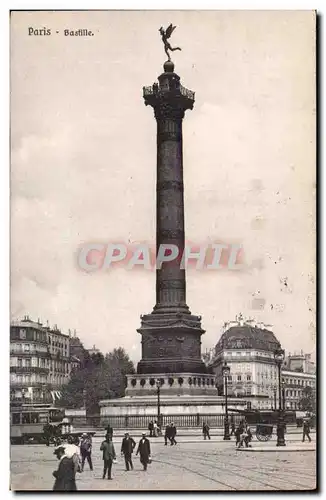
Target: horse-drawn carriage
264,421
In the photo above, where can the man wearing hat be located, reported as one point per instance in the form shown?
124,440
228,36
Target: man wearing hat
108,456
65,475
173,434
144,450
86,450
127,447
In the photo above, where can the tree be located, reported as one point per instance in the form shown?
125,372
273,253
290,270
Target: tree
99,377
308,400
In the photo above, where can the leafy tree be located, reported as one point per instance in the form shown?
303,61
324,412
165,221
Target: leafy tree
99,377
308,400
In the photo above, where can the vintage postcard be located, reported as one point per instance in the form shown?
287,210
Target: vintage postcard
163,260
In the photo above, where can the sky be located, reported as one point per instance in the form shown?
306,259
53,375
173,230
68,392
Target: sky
83,167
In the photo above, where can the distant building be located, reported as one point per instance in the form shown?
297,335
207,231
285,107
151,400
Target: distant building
248,349
93,350
293,384
41,361
300,362
30,360
60,364
77,350
75,363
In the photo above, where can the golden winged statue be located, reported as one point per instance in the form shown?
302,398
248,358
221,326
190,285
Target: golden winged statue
165,36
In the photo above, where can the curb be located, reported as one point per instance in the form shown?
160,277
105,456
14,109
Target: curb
274,449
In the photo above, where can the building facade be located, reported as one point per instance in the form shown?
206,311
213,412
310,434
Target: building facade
60,362
29,362
300,362
248,349
293,383
40,362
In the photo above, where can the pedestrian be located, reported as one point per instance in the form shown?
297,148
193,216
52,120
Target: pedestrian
151,428
86,450
167,435
155,429
206,430
144,450
245,437
127,448
238,433
173,434
109,456
64,475
72,450
232,426
306,430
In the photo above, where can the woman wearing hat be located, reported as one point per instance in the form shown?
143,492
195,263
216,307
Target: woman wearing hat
65,474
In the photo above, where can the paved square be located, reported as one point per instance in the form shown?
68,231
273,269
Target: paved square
197,465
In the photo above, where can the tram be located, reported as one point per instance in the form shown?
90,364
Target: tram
27,422
41,424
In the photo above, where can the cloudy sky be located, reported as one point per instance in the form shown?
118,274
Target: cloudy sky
83,163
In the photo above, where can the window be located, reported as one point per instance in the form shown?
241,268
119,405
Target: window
248,378
28,363
34,418
16,418
22,334
26,418
239,378
19,362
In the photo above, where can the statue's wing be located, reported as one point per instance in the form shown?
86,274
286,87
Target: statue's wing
170,30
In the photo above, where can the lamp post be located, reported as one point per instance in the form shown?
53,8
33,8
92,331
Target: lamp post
283,396
279,358
158,387
225,373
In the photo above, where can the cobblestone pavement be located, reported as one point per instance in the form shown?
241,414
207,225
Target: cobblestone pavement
201,465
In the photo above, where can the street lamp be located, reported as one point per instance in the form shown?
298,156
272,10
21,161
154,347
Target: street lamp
283,396
225,374
279,355
158,387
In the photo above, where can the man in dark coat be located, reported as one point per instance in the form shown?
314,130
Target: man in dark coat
86,450
151,428
127,447
167,435
144,450
306,430
238,433
206,430
108,456
65,475
173,434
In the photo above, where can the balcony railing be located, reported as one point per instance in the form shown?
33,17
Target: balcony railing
189,94
29,369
